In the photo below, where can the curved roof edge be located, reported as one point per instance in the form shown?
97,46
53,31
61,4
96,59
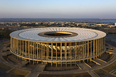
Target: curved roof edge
100,34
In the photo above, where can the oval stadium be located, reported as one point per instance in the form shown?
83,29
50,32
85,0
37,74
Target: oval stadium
57,45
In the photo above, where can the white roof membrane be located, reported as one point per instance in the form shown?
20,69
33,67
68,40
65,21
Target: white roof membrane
83,34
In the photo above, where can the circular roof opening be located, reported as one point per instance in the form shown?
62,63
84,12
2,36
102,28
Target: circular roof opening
58,34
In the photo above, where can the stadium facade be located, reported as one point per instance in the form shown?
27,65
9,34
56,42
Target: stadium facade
57,45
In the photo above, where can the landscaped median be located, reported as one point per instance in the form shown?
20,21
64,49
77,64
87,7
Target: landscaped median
103,73
19,72
4,66
13,71
111,67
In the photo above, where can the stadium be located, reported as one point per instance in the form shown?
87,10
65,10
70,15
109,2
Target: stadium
57,45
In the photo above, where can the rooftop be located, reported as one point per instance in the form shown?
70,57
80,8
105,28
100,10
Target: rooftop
58,34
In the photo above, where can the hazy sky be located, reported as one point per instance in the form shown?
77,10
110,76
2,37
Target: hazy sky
57,8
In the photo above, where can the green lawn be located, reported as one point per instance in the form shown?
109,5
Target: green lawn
4,66
70,75
19,72
110,67
102,73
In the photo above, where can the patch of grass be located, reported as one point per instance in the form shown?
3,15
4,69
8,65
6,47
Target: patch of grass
102,73
70,75
109,58
99,71
115,73
4,66
110,67
18,72
6,42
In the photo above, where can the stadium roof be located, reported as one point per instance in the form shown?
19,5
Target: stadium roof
83,34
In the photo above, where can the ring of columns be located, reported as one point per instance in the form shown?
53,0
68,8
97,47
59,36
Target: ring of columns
28,44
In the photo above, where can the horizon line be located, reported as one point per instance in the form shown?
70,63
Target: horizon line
57,18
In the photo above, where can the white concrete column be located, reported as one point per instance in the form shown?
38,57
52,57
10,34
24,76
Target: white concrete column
78,51
20,46
102,44
25,49
91,47
61,51
37,51
17,46
96,47
83,49
11,43
65,51
47,50
44,50
29,49
51,51
75,50
87,48
56,54
70,51
33,46
41,50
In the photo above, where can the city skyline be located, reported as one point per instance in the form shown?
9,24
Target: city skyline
58,9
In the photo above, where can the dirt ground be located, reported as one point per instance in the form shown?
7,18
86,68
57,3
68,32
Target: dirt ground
75,75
